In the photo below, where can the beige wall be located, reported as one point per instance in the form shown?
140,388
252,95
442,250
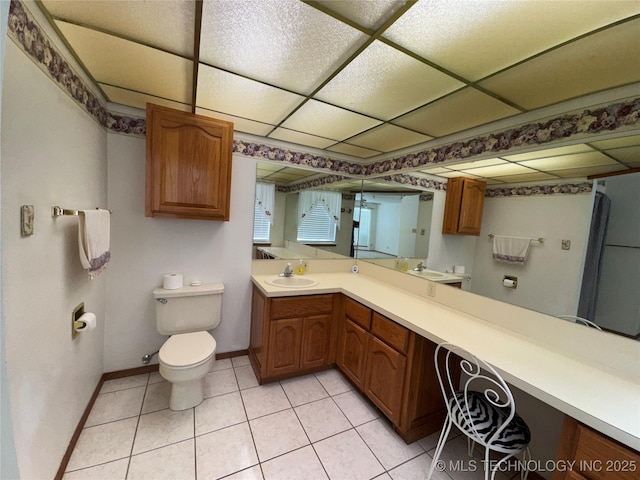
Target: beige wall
52,154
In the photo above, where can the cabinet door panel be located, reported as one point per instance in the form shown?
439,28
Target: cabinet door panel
470,220
352,351
316,339
285,340
385,378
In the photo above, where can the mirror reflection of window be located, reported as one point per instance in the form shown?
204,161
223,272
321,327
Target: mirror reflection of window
318,216
263,212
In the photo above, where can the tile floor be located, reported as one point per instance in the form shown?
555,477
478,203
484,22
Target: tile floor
307,428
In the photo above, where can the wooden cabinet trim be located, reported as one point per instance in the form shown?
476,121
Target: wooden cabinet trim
290,307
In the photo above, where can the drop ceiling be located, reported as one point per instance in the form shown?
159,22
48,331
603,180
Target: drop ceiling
365,79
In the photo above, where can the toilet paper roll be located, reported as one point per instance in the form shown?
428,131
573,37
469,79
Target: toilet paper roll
458,269
509,283
171,281
86,322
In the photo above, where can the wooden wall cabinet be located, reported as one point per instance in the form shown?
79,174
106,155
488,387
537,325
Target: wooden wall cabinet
292,335
188,167
463,206
593,456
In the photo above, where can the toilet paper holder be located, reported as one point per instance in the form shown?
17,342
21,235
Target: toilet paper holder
510,281
75,323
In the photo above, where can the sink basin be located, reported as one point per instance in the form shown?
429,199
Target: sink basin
292,282
430,274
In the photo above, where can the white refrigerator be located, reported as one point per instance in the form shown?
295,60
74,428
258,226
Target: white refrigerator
618,303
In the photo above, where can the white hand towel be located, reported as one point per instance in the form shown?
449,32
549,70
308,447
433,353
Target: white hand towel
93,240
512,250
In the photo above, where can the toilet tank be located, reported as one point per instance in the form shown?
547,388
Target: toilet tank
188,309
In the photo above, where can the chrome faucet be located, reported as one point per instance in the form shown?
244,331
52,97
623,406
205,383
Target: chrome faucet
287,271
420,267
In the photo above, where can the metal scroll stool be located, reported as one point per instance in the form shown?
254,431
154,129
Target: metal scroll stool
481,406
579,320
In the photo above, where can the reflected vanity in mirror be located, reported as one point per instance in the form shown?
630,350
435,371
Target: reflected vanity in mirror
557,207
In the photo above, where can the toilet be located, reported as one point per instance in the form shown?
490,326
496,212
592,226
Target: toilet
187,313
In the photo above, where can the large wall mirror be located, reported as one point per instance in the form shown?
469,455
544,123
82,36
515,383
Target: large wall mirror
558,209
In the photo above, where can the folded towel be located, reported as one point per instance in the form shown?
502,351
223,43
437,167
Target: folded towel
512,250
93,239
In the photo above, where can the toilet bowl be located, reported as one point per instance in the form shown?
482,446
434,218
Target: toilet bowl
185,359
187,314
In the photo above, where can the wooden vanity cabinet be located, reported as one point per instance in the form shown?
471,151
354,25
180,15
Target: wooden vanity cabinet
463,206
593,456
393,367
188,166
292,335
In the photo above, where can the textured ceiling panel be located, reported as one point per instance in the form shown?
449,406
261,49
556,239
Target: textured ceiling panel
477,38
627,155
385,83
584,172
353,150
280,42
165,25
551,164
480,163
617,142
139,100
370,14
317,118
130,65
549,152
235,95
387,138
461,110
597,62
301,138
239,124
527,177
499,170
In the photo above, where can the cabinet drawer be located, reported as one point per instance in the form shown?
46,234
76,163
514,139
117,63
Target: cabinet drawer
294,307
607,459
390,332
358,313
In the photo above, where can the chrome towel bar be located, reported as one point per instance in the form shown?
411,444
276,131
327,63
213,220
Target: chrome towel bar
57,211
539,239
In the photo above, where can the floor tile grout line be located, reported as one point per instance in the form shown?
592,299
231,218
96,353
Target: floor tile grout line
195,447
255,448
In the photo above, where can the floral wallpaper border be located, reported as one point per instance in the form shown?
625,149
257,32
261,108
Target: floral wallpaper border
28,34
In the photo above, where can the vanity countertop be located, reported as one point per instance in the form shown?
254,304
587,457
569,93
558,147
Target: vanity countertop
595,394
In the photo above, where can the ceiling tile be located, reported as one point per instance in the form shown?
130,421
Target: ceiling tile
586,171
435,171
528,177
301,138
370,14
281,42
551,164
499,170
617,142
353,150
126,64
384,83
387,138
549,152
628,155
139,100
168,26
235,95
461,110
318,118
476,38
477,164
451,174
603,60
239,124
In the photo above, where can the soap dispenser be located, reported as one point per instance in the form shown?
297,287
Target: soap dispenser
300,268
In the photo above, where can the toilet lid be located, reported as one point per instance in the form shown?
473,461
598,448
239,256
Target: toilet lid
187,349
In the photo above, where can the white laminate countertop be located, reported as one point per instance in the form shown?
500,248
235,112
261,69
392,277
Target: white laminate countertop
606,400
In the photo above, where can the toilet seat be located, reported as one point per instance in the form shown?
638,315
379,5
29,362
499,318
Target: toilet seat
187,349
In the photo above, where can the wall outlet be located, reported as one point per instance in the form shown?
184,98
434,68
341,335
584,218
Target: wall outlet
431,289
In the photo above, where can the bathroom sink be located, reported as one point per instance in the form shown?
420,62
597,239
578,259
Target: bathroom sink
430,274
292,282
